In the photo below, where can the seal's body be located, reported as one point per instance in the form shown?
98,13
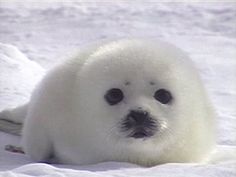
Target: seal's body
129,100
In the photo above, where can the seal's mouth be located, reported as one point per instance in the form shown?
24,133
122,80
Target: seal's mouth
140,134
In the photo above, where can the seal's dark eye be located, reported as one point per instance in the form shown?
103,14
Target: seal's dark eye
163,96
114,96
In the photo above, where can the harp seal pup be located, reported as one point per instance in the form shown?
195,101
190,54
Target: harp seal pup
130,100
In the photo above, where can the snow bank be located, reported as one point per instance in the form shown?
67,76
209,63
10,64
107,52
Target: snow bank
113,169
18,76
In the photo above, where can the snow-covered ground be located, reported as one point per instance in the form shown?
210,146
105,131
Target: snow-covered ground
48,32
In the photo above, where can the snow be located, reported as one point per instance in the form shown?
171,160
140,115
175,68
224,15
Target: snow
18,74
47,32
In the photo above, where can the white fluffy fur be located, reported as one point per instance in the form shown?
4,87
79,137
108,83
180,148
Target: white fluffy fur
69,118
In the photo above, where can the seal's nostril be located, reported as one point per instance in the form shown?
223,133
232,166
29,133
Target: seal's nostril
138,116
136,119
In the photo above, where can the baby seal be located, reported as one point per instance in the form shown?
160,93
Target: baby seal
135,101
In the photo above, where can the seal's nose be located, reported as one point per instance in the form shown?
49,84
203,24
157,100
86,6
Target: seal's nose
138,116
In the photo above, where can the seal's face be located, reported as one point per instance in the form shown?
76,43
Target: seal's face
138,123
133,92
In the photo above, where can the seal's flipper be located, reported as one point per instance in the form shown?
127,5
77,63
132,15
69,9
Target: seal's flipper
11,120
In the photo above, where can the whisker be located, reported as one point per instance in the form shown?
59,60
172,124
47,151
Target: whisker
111,131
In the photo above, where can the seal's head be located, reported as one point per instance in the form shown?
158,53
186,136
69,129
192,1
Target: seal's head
144,98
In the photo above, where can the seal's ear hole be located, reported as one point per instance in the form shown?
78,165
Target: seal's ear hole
163,96
114,96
